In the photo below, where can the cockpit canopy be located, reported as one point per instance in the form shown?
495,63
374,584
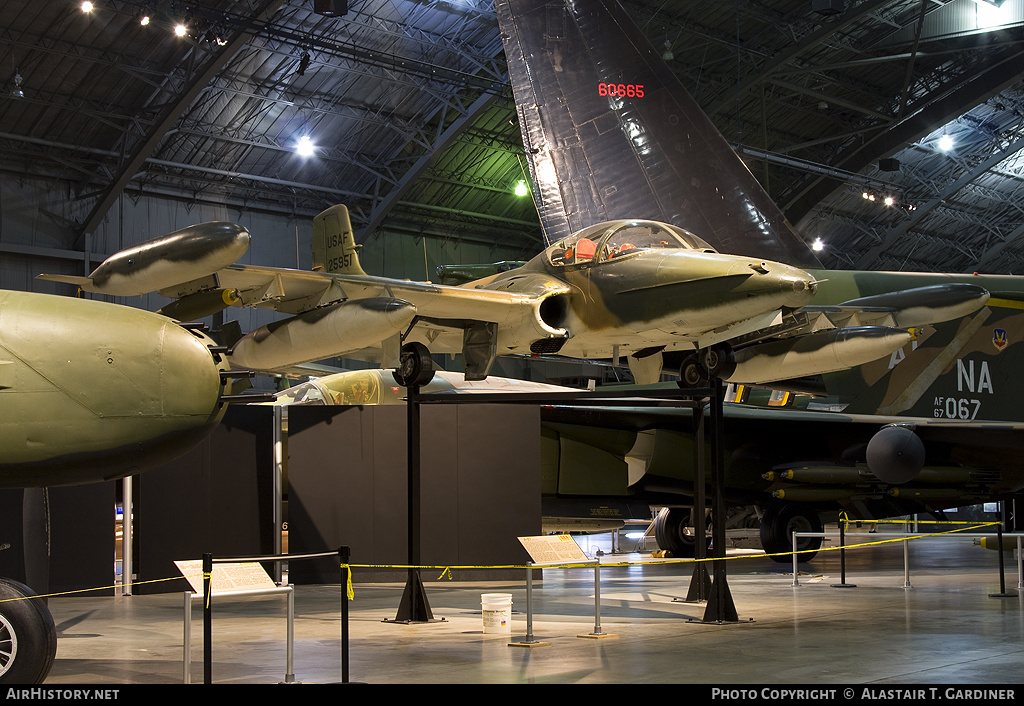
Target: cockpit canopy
615,239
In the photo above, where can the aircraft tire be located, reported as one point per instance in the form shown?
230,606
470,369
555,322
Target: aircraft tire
670,532
691,372
415,367
28,638
777,526
717,361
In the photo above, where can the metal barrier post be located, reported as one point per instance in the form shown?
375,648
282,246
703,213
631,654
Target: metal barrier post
207,618
186,649
906,563
842,556
344,553
795,581
289,675
999,550
1020,566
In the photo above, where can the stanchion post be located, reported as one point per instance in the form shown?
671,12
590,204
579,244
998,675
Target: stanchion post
529,603
186,644
343,556
796,582
207,618
842,554
999,550
1020,565
906,563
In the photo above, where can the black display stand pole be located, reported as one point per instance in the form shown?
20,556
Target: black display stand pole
720,608
700,584
414,607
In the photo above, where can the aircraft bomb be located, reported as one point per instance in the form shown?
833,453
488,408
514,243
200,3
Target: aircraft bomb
201,304
322,333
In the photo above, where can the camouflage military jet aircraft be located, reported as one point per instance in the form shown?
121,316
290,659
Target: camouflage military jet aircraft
627,285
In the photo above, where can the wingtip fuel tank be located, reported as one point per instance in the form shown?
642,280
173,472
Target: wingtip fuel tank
182,256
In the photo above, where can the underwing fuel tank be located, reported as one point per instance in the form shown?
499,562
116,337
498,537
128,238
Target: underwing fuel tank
185,255
322,333
823,352
92,391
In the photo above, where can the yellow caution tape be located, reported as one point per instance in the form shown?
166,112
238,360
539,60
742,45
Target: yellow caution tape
446,570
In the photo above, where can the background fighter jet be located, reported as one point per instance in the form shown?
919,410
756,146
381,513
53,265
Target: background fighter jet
89,391
611,133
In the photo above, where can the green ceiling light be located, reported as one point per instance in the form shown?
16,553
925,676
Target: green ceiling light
521,189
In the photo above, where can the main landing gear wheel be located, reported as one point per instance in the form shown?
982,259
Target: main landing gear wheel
415,368
670,532
706,364
777,527
691,372
28,638
717,361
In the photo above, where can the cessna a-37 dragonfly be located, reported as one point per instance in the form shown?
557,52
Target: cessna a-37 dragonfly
622,288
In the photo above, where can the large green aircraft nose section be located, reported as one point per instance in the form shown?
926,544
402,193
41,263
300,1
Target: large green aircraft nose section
90,390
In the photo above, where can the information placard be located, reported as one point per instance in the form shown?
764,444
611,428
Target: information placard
244,576
553,549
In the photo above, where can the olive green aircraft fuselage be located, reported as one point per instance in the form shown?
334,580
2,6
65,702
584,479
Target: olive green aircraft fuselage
91,391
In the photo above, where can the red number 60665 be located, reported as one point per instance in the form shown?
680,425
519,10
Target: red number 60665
621,90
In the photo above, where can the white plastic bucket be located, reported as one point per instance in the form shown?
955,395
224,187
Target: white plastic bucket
497,612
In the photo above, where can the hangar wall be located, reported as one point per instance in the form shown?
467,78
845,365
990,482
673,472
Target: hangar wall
37,219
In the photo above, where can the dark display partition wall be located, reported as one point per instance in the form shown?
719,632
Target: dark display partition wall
480,468
80,540
216,498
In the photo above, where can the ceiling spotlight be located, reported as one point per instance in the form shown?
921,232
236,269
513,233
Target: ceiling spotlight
17,92
303,63
521,189
667,55
144,20
945,143
889,200
817,245
305,147
180,30
86,6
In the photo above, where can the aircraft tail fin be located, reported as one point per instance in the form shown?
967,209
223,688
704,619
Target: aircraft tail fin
611,133
334,245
